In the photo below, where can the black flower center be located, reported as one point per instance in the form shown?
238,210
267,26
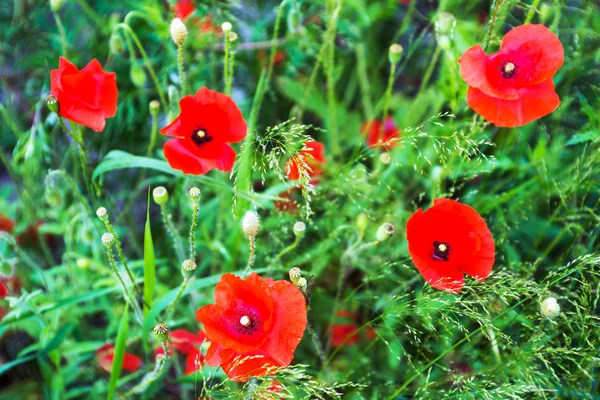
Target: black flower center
245,322
441,251
508,69
200,136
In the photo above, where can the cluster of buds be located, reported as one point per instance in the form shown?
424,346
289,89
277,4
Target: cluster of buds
297,279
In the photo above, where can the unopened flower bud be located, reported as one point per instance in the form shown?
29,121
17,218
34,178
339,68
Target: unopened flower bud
233,40
194,194
361,222
299,228
226,27
55,5
550,308
116,43
52,103
102,214
108,239
546,12
445,24
82,263
385,158
188,267
178,31
161,331
385,232
301,284
395,53
137,75
160,195
154,107
250,223
295,274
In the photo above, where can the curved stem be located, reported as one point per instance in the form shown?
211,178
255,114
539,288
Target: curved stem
172,232
171,306
181,71
286,250
63,35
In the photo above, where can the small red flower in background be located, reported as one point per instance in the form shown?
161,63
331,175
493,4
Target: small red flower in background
186,343
265,57
86,97
404,1
286,201
256,324
184,8
207,122
514,86
313,156
347,333
106,355
6,224
447,241
380,136
9,286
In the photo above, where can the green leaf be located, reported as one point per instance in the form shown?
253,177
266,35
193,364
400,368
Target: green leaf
119,354
583,137
149,262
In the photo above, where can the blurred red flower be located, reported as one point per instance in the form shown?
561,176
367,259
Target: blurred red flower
9,286
514,86
6,224
187,343
313,157
380,136
448,240
86,97
286,201
207,122
347,332
184,8
106,354
255,325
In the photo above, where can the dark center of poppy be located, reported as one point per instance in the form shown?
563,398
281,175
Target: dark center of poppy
200,136
441,251
508,69
246,322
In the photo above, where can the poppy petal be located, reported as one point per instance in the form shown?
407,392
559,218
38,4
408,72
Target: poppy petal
474,71
180,157
193,362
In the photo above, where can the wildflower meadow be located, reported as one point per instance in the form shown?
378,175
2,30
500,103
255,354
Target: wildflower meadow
299,199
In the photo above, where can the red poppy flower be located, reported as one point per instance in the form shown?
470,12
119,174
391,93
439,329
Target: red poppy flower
347,333
514,86
207,122
6,224
313,157
255,325
106,354
448,240
184,8
264,58
381,136
86,97
286,201
186,343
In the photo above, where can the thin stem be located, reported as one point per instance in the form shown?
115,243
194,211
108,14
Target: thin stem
317,343
150,378
110,228
126,294
93,15
494,343
192,235
181,71
388,92
229,85
171,306
286,250
331,100
429,71
226,61
63,35
532,11
363,80
172,232
497,4
252,240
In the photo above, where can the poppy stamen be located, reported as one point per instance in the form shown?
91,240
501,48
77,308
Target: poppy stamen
201,136
245,321
508,69
441,251
248,322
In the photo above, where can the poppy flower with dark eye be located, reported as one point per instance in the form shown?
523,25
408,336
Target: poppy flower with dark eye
447,241
309,160
106,355
380,136
514,86
86,97
254,326
208,121
187,343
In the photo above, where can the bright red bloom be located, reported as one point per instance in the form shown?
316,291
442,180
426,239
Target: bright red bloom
184,8
448,240
380,136
256,324
106,355
312,156
186,343
86,97
6,224
514,86
207,122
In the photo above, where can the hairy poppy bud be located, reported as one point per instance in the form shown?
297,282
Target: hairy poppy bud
395,53
102,214
194,194
52,103
56,5
108,239
178,31
154,107
137,75
188,267
385,232
160,195
250,223
161,331
116,43
299,228
550,308
444,24
226,27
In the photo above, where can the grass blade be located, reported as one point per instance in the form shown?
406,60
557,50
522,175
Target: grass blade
119,354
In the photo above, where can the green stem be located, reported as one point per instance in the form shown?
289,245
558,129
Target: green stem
128,298
429,71
532,11
192,236
226,62
496,6
63,35
363,80
181,71
110,228
229,86
172,232
150,378
171,306
388,93
331,100
93,15
286,250
252,240
316,343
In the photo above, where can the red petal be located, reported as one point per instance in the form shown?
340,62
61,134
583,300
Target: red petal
186,341
344,334
314,157
175,128
226,159
193,362
475,71
131,363
534,102
244,366
180,156
6,224
3,290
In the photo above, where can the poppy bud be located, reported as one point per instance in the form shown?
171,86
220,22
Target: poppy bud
56,5
137,75
444,24
550,308
154,107
301,284
102,214
545,12
187,268
116,44
295,274
395,53
299,228
385,158
293,19
194,194
160,195
52,103
53,197
385,232
108,239
361,222
82,263
233,40
178,31
226,27
161,331
250,223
